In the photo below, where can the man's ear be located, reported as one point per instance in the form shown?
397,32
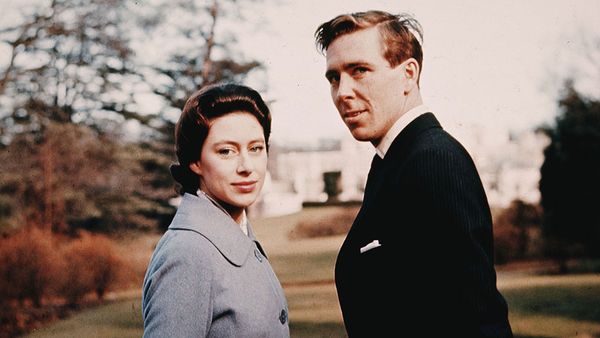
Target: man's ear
411,72
196,168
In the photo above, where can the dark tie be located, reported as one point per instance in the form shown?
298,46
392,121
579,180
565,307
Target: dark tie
374,175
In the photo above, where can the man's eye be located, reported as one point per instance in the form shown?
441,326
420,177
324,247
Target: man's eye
360,70
333,79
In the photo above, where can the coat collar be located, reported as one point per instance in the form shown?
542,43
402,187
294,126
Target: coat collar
409,133
198,214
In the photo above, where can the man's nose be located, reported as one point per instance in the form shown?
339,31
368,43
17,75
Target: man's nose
345,89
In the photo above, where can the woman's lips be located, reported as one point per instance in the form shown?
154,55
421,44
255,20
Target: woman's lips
245,186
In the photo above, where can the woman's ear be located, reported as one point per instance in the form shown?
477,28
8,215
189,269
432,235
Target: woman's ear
196,168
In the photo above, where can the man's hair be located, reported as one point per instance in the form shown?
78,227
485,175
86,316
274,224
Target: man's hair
401,35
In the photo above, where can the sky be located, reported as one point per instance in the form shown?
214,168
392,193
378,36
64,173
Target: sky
489,67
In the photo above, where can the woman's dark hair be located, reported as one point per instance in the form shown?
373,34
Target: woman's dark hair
200,109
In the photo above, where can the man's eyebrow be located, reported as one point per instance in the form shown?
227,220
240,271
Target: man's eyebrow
346,66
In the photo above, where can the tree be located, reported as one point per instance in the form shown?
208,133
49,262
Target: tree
70,62
205,50
73,70
570,182
72,178
67,89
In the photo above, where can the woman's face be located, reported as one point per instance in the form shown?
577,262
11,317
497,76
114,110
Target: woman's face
233,161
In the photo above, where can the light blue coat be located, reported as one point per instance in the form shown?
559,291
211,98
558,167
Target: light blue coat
207,278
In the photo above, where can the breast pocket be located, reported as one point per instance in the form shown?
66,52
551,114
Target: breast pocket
373,258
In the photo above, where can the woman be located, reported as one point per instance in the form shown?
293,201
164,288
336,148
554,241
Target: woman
209,276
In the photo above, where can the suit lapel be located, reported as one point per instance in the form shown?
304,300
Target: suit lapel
383,169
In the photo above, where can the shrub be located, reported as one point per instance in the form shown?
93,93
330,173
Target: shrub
517,232
329,221
91,265
28,265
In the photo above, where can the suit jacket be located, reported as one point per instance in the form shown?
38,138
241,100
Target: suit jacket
207,279
431,273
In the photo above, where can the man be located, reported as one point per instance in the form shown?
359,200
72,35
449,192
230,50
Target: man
418,260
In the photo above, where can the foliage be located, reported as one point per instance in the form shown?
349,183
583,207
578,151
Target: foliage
28,266
70,62
201,50
516,232
72,178
71,87
570,182
90,265
43,276
205,52
66,91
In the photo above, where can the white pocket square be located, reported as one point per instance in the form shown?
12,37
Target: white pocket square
370,246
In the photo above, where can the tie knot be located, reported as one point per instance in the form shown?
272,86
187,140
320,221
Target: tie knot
376,164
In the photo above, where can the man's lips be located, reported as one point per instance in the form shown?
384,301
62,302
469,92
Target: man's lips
349,116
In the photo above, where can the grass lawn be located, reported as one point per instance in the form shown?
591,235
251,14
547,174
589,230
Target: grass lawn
566,309
539,306
117,319
557,306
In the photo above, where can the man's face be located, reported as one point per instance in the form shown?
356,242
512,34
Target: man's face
367,91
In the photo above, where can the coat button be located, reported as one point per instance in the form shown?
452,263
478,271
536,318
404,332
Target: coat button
258,255
283,316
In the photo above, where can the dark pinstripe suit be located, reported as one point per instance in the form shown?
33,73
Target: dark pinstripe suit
433,273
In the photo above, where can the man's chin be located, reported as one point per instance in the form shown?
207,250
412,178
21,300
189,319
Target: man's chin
361,135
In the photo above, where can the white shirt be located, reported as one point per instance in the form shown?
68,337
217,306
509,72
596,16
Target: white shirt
244,223
398,126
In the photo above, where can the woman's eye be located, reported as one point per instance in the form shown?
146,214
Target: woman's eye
225,151
257,149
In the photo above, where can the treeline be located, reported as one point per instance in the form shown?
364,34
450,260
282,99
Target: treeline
89,96
80,145
566,223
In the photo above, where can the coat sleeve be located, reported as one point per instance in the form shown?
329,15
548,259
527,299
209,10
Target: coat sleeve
448,188
177,300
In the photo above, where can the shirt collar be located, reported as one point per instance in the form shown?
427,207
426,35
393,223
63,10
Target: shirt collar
398,126
244,223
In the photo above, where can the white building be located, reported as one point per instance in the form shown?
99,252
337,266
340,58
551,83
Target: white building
509,167
303,166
